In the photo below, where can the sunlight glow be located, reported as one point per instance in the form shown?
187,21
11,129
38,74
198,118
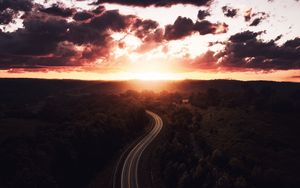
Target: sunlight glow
276,75
155,76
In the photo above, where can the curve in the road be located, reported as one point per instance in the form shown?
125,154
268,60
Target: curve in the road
129,173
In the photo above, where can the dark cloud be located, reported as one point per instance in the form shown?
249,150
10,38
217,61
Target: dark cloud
278,37
39,37
152,41
244,50
7,16
98,10
158,3
295,43
110,20
9,9
229,11
51,41
81,16
17,5
244,37
256,17
62,57
202,14
205,27
256,21
183,27
259,17
143,28
96,30
59,10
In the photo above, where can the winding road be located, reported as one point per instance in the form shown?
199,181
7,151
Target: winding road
129,173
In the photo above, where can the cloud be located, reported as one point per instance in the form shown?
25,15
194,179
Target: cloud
229,11
50,38
7,16
295,43
278,37
256,21
60,36
81,16
142,28
99,9
111,19
256,17
202,14
295,76
205,61
152,40
52,41
244,50
244,37
9,9
181,28
260,16
58,10
205,27
17,5
37,38
248,14
184,27
160,3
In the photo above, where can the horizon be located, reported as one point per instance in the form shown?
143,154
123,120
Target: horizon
141,80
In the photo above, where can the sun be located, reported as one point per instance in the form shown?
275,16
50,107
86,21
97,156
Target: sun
145,68
155,76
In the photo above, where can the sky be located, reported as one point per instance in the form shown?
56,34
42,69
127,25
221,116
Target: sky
150,40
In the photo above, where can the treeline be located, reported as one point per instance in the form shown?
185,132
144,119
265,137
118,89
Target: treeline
81,136
262,98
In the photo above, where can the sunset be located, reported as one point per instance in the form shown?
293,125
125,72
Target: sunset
149,93
113,40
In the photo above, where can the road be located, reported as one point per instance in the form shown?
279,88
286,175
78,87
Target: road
129,174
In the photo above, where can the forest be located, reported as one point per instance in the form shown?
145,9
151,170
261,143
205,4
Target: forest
217,134
242,137
62,139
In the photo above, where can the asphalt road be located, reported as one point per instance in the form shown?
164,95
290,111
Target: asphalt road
129,174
